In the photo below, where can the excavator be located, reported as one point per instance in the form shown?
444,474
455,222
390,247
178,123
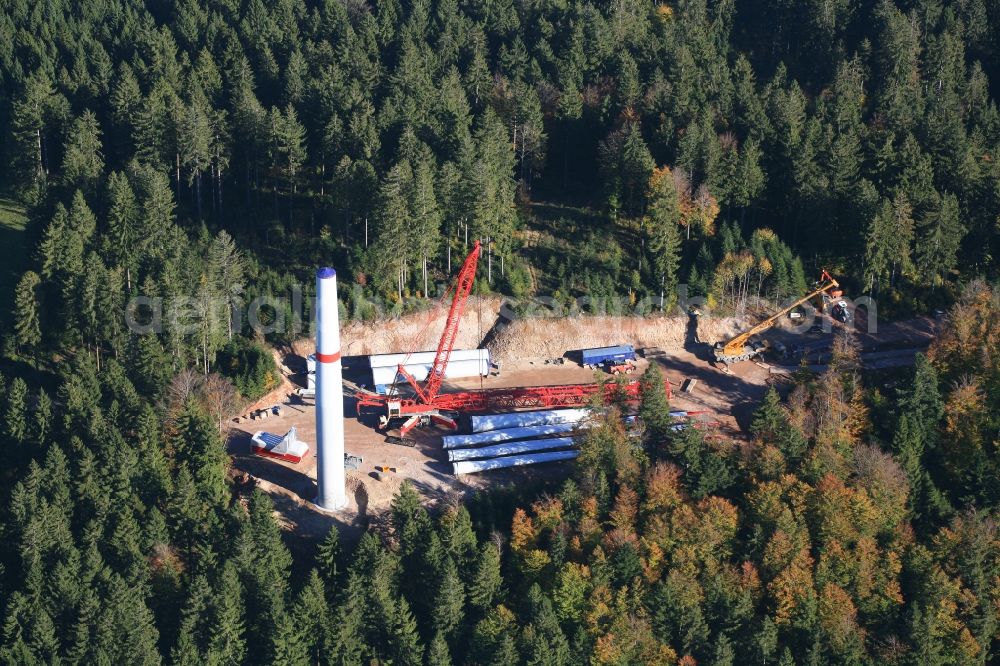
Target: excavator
743,348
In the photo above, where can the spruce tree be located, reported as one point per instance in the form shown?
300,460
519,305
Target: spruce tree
769,418
663,220
705,471
227,266
425,212
195,141
438,653
288,144
889,239
16,423
771,426
348,647
124,240
289,645
200,446
311,615
265,562
485,589
401,636
654,409
126,98
547,644
42,421
83,158
459,538
33,114
226,643
939,236
328,557
27,313
391,249
449,601
126,632
725,653
410,520
915,439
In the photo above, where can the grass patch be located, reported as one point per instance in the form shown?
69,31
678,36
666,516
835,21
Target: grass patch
13,251
576,251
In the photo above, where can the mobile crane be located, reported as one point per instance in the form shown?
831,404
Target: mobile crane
742,348
428,403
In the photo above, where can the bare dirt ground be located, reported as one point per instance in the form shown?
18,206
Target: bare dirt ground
523,347
414,332
293,486
552,337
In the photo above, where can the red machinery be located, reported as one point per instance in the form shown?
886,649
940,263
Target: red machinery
428,402
463,286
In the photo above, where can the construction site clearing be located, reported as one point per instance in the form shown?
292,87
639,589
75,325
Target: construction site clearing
374,429
381,467
425,463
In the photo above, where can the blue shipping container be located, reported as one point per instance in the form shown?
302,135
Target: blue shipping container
602,354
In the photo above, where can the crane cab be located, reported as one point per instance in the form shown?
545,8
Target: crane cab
730,354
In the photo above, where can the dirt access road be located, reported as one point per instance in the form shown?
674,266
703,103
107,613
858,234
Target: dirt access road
293,486
729,397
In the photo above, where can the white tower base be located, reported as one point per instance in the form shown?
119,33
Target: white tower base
330,476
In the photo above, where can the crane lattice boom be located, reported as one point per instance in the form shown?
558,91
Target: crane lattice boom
736,349
463,287
429,401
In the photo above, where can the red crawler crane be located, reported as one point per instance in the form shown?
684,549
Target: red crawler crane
463,287
428,401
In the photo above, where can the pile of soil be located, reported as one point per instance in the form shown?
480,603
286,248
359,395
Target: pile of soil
414,332
525,338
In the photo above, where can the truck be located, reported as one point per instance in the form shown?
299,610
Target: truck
613,356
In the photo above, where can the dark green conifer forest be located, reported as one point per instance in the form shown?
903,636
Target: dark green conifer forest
208,153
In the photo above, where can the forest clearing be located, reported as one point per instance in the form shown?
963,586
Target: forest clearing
525,348
622,203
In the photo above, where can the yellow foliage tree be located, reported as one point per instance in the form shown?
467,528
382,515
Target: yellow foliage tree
838,619
792,589
626,509
704,210
522,531
548,512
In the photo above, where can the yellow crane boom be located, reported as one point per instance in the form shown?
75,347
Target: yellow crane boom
737,350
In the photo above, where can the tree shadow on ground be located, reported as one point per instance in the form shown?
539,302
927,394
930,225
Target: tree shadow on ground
717,387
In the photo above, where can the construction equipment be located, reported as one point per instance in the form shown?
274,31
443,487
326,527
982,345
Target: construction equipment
624,368
423,403
286,447
428,401
743,348
463,286
607,356
841,312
